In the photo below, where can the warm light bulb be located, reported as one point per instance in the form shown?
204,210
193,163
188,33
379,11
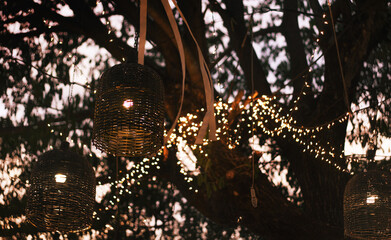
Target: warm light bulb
371,199
128,103
60,178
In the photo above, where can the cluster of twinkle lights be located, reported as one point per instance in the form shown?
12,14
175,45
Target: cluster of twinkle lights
138,171
258,114
263,114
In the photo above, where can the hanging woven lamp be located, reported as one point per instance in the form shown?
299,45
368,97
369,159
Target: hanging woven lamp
367,206
62,192
129,111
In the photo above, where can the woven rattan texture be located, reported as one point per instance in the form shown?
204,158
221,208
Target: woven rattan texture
367,206
129,111
61,206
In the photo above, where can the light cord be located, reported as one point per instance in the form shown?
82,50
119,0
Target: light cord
254,200
346,98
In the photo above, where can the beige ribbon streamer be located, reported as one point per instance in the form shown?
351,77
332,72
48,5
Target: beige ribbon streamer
178,39
143,31
209,118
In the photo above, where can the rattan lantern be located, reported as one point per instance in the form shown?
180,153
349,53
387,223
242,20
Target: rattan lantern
367,206
62,192
129,111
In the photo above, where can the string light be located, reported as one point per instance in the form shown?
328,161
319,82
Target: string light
265,112
133,176
270,119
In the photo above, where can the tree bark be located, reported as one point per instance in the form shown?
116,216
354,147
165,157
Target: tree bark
295,45
233,17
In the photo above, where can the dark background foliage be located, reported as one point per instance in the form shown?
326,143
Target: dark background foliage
45,44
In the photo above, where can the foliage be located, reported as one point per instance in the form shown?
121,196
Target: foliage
51,56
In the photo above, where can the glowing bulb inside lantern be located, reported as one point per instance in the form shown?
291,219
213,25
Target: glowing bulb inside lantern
371,199
60,178
128,103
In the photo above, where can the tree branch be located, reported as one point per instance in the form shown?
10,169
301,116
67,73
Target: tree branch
22,230
361,34
295,45
93,28
227,51
317,183
317,9
160,32
232,202
7,37
265,31
233,19
18,130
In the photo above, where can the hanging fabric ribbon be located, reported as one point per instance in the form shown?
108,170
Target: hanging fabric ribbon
181,50
143,31
209,118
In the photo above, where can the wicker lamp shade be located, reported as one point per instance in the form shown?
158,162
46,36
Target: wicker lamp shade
62,192
129,111
367,206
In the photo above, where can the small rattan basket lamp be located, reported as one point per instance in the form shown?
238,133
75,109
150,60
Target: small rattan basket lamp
62,192
367,206
129,111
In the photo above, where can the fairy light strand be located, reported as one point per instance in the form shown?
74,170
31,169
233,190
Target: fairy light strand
260,108
265,113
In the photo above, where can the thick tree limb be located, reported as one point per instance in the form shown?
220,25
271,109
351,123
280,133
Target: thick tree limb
319,183
233,18
160,32
93,28
295,45
231,205
317,9
361,35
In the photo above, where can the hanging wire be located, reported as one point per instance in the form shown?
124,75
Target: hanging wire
70,97
70,92
136,33
265,9
346,96
371,152
117,215
136,36
215,60
254,200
